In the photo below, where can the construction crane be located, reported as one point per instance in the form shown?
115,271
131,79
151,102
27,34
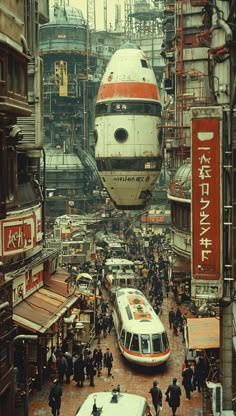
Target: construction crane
91,15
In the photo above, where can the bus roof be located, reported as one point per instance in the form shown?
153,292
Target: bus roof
115,261
137,313
126,404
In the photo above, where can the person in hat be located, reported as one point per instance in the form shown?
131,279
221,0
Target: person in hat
156,394
173,394
55,398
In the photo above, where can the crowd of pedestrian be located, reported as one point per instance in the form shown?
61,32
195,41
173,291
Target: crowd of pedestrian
86,364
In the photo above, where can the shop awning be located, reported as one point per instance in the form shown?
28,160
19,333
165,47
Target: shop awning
181,265
59,283
41,310
203,333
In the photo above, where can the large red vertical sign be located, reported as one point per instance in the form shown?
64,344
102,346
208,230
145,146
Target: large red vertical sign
206,198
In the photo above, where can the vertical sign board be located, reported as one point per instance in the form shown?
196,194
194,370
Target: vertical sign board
206,202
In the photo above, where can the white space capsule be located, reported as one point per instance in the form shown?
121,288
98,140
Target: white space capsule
127,129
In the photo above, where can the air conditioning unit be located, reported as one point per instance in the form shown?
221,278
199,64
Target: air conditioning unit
217,400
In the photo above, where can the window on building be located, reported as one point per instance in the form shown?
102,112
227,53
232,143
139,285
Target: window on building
11,178
10,73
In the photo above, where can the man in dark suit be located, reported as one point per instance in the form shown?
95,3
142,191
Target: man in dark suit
107,361
171,317
187,380
156,394
55,398
173,394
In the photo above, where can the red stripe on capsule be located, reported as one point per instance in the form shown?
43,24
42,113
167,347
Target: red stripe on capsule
138,354
128,90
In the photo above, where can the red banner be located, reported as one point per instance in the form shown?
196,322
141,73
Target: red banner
18,235
153,218
206,198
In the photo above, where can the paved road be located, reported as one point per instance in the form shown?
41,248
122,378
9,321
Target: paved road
131,379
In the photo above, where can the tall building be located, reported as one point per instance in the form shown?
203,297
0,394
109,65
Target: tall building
199,136
21,204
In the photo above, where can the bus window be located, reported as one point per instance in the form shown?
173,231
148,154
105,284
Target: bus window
156,344
127,340
122,337
145,344
122,282
129,282
165,341
134,346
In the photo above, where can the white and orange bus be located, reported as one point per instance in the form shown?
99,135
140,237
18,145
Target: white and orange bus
142,337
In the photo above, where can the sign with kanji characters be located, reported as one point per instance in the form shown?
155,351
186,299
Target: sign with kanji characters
206,198
18,235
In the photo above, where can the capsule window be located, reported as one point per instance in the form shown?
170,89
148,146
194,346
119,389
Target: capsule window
134,346
145,344
165,341
121,135
127,340
144,63
156,343
152,164
101,108
122,337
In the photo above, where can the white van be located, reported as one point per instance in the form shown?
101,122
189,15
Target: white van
115,404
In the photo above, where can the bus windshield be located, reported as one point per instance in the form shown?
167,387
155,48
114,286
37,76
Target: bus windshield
145,344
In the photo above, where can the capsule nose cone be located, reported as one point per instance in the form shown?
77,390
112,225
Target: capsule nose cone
129,45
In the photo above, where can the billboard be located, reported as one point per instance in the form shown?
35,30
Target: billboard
206,200
18,235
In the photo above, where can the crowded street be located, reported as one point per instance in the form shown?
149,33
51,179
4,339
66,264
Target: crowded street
131,379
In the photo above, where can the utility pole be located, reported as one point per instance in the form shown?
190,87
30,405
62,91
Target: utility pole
226,325
105,15
91,26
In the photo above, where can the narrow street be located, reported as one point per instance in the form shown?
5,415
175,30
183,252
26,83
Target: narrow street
131,379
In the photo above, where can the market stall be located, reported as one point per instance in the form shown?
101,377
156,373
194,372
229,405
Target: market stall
202,338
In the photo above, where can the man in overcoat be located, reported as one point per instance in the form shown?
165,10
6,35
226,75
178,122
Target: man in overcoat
187,382
173,394
156,394
79,366
55,398
107,361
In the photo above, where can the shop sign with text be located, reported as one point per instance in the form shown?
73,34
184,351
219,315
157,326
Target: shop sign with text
18,235
206,198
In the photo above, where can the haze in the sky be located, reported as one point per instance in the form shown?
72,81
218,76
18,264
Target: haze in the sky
82,5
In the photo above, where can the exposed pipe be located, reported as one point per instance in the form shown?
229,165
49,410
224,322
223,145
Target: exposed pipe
4,305
44,195
226,28
25,338
24,44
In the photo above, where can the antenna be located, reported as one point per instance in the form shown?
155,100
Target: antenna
105,15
